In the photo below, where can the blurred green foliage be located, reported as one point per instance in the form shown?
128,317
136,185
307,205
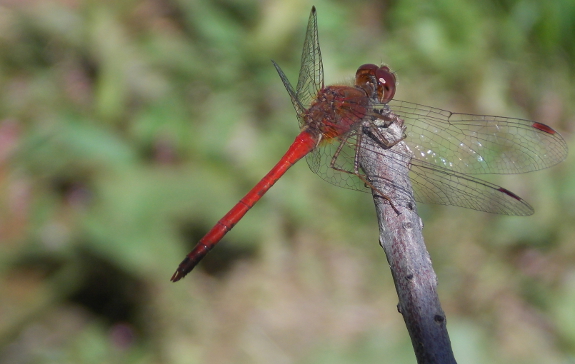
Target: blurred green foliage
129,127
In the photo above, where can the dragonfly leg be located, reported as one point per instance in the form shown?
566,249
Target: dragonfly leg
356,169
393,127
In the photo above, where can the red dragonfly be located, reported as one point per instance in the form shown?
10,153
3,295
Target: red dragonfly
445,148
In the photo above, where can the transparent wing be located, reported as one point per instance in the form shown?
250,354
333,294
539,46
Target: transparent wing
299,109
477,144
431,183
435,185
310,79
319,161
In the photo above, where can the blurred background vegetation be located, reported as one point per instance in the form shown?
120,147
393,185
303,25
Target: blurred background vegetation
128,128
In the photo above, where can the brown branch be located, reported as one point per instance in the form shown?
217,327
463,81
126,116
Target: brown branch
402,240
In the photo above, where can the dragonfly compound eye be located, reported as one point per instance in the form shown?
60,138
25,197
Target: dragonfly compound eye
385,84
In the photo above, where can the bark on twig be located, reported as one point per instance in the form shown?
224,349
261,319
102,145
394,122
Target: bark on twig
402,240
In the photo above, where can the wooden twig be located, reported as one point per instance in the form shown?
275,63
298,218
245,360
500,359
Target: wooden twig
402,240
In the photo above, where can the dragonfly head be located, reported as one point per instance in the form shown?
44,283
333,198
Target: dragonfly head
371,78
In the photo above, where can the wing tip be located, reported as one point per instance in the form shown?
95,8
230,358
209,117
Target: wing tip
544,128
525,210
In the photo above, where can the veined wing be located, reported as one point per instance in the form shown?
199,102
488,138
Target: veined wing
477,144
431,183
436,185
310,79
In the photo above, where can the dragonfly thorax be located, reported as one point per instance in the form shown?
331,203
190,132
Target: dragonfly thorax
337,110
